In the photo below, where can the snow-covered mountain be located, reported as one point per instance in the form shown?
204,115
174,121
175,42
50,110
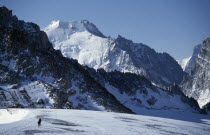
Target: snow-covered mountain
33,74
187,63
81,40
197,84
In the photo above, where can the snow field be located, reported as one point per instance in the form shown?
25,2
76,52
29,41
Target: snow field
81,122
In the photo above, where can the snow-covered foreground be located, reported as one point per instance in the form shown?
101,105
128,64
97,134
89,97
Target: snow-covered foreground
72,122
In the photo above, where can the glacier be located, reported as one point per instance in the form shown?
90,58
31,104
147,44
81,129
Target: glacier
80,122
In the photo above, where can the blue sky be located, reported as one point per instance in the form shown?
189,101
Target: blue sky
172,26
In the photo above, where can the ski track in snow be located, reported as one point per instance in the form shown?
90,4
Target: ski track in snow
78,122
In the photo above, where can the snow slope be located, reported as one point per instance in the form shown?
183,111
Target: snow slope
158,100
79,122
136,92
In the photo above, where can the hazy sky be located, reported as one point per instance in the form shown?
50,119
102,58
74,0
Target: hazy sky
172,26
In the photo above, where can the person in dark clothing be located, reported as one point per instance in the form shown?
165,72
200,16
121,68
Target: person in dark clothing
39,122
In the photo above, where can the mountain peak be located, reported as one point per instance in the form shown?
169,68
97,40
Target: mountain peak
6,17
74,26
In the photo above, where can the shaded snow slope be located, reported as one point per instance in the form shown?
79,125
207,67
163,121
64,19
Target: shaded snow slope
75,122
155,100
136,92
96,51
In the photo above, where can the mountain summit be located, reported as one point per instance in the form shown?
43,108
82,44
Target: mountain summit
68,28
81,40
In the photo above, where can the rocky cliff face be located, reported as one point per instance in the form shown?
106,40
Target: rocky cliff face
197,84
78,41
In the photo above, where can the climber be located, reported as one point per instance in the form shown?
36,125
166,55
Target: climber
39,122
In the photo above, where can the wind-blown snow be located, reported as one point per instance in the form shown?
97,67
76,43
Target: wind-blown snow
104,123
